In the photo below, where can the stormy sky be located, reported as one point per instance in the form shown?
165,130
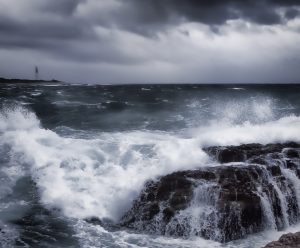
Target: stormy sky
151,41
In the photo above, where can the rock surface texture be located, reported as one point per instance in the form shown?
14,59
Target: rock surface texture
251,188
290,240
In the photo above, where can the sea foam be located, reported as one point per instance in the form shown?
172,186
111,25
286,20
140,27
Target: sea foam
103,175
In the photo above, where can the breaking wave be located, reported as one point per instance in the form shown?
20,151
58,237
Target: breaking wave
102,175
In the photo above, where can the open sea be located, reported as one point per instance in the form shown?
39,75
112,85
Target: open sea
72,152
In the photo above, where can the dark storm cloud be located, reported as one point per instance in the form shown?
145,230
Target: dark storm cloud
63,7
210,12
292,13
47,26
45,19
52,21
138,32
148,17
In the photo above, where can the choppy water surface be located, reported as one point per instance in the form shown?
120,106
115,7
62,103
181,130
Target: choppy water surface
71,152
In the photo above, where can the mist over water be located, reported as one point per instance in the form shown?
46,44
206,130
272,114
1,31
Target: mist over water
73,152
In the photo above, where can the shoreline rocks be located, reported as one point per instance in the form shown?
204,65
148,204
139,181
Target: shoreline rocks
226,202
290,240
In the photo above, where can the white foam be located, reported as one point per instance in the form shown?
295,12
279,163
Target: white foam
101,176
95,236
236,88
257,109
98,177
225,133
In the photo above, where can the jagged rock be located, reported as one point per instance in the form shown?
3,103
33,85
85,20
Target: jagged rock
225,202
290,240
291,153
245,152
164,199
108,224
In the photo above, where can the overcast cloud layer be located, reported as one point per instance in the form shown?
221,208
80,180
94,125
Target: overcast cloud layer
142,41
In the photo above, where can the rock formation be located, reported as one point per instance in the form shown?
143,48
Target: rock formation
290,240
251,188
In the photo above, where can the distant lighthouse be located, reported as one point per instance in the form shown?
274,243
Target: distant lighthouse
36,73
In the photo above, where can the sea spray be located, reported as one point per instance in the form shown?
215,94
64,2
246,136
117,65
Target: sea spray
101,176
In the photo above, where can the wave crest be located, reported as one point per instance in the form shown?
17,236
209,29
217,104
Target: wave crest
101,176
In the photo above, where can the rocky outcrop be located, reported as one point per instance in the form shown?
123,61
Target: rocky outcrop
226,202
290,240
227,154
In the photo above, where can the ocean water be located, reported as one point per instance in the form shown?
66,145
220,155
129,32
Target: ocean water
72,152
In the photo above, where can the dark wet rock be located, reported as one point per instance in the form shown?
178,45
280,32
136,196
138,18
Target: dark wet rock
225,202
258,160
174,189
94,221
250,151
290,240
275,170
292,153
108,224
174,193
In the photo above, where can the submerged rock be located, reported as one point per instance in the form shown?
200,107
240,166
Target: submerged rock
290,240
225,202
